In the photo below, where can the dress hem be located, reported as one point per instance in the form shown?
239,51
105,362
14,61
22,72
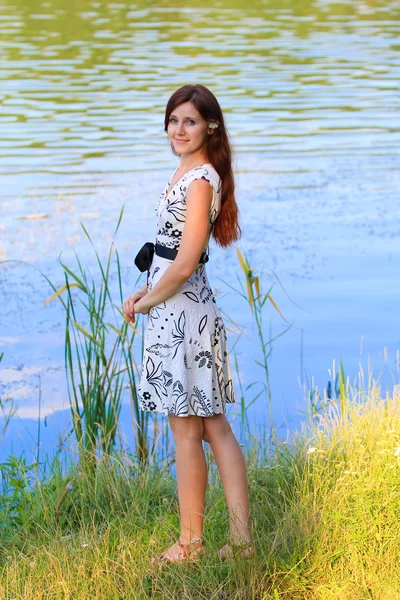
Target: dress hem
166,413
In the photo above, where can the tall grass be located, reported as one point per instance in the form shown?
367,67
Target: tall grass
324,517
7,409
251,290
99,357
95,377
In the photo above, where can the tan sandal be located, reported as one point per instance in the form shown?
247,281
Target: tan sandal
246,550
187,553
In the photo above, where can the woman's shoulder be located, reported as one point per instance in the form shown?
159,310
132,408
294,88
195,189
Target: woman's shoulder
208,172
212,170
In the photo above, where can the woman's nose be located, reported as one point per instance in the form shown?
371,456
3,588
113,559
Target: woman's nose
181,128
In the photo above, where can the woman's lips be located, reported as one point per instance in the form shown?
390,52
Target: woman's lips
181,141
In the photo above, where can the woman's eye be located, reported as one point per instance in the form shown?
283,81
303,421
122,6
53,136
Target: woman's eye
172,120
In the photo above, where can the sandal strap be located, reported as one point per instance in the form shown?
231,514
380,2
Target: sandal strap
192,541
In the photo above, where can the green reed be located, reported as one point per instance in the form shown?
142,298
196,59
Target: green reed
256,299
8,410
98,356
337,388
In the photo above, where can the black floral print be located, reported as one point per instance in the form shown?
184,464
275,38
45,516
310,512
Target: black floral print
186,368
204,358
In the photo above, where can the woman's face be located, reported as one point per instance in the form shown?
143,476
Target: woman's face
187,130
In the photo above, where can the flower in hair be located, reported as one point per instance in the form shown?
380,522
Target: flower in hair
213,124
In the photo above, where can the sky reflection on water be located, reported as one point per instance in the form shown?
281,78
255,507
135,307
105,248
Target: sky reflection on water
310,93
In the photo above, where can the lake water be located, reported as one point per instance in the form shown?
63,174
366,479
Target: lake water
311,99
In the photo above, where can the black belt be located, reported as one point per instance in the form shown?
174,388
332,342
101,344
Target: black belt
145,255
170,253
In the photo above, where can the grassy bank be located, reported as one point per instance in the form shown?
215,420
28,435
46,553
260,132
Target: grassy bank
325,505
325,520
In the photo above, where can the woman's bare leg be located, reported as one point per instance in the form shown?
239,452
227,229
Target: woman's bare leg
191,472
232,469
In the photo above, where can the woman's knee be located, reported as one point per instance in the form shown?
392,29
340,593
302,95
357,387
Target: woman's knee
215,427
186,428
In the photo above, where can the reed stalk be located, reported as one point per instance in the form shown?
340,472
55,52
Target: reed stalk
97,356
8,410
256,299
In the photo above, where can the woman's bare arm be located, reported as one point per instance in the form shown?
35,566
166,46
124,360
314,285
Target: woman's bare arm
195,234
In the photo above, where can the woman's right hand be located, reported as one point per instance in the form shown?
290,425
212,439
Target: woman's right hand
127,306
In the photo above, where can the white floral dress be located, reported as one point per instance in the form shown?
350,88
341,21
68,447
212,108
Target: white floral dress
186,369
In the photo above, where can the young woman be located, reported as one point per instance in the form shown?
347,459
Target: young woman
186,371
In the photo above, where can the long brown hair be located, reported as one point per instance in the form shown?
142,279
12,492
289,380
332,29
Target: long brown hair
226,228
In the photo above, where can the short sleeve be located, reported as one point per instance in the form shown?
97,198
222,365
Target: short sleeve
209,174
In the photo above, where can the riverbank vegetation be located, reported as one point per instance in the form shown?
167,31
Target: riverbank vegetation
325,520
325,504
